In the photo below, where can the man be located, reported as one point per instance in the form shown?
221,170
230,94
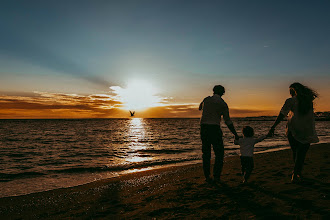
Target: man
213,108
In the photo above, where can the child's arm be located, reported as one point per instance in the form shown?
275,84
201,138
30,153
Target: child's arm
263,137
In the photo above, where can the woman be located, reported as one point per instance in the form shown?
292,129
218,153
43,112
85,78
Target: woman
301,125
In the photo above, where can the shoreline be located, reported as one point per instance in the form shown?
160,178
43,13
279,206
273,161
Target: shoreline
180,192
112,175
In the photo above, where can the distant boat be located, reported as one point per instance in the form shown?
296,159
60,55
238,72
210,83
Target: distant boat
132,113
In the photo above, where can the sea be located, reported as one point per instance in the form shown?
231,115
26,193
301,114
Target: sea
45,154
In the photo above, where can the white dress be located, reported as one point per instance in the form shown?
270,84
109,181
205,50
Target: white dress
302,127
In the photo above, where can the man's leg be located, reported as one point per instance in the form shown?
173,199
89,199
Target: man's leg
219,154
206,149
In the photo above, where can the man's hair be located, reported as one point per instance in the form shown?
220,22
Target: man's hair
248,131
218,89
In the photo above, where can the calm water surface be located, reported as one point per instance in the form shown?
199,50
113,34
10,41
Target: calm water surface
38,155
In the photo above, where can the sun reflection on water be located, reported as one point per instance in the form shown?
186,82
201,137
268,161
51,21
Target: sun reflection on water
136,123
137,135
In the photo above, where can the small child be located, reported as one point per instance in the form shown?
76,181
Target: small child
246,148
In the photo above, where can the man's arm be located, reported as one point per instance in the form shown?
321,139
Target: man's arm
232,129
229,123
201,106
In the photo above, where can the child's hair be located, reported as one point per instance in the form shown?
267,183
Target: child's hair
248,131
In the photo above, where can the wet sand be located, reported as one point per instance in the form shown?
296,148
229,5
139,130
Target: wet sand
180,192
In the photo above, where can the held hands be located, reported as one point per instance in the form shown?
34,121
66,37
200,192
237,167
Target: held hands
236,140
271,132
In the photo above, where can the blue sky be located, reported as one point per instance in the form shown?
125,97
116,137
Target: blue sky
181,47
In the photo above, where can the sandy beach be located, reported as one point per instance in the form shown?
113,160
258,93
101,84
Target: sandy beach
181,192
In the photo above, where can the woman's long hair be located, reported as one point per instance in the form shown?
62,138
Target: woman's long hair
305,97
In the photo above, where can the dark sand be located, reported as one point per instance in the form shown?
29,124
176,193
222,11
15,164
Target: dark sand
180,192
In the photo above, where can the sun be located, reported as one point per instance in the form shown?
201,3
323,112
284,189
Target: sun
138,95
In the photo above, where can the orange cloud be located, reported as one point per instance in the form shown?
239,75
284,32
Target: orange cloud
60,105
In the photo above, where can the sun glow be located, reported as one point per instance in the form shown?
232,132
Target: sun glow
137,95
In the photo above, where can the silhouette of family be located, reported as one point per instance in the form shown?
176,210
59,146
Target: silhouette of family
300,131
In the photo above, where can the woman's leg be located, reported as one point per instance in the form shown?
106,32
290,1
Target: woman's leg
299,151
293,144
300,158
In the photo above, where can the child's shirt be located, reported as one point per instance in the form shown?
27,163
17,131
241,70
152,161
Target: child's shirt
247,145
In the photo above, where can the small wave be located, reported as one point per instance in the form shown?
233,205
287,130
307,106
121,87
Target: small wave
12,139
16,155
165,151
102,130
11,176
79,170
149,141
123,167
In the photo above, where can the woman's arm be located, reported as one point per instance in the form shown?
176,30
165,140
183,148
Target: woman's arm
279,118
286,108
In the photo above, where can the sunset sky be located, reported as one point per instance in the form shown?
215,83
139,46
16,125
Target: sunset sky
99,59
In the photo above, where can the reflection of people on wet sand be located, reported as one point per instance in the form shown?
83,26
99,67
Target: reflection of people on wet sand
301,125
213,108
246,150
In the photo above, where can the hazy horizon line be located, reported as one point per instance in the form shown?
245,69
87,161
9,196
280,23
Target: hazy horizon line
125,118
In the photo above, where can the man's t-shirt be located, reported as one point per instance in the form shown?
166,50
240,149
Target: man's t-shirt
213,108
